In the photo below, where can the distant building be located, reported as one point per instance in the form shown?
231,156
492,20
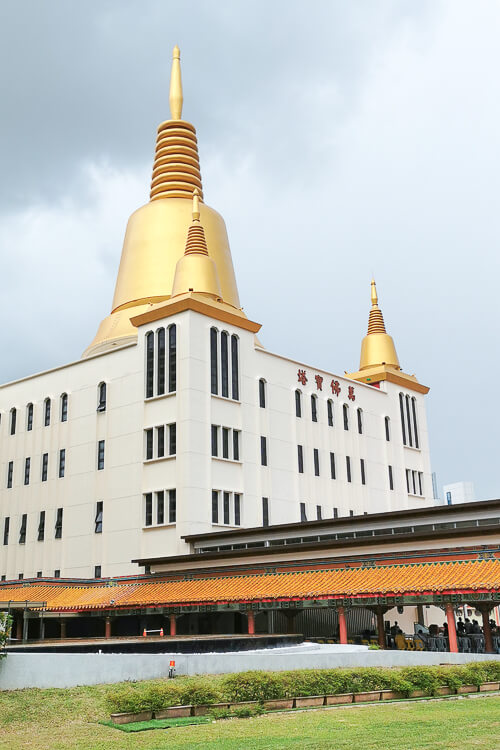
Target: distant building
459,492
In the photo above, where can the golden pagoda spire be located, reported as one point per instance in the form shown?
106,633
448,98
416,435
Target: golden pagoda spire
176,99
377,347
196,271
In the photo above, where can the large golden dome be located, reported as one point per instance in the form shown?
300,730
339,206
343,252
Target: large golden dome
156,233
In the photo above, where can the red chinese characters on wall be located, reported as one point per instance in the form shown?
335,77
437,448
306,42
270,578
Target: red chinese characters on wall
319,382
301,375
335,386
350,394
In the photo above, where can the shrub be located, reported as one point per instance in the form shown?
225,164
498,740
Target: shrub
252,686
474,674
245,712
220,713
422,678
198,693
492,670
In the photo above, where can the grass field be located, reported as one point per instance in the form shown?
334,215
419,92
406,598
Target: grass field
60,719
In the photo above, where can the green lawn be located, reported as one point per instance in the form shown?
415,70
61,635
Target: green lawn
68,719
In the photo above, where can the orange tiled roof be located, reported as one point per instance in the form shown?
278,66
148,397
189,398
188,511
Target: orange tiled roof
467,576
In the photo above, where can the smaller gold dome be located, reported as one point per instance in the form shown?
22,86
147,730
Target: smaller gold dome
377,347
196,271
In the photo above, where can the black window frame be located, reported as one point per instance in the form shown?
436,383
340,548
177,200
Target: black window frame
59,524
99,511
262,393
333,470
345,416
348,468
29,417
27,470
41,527
62,462
45,466
298,403
316,461
300,459
101,396
330,412
314,407
47,407
263,450
64,407
101,451
23,528
265,511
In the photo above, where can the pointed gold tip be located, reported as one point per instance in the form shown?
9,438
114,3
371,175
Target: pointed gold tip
374,293
196,204
175,97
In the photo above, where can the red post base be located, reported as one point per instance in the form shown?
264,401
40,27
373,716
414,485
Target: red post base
342,625
173,627
452,631
251,622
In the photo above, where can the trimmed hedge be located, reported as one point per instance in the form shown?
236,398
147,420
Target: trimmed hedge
261,686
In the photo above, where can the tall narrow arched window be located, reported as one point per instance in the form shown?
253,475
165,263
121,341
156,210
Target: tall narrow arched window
262,393
298,403
360,421
46,412
402,411
408,421
64,407
314,408
150,364
172,358
29,417
224,363
415,427
329,411
345,413
101,396
160,363
13,419
387,423
214,375
235,376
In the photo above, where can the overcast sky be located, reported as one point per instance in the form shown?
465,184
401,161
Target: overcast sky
338,139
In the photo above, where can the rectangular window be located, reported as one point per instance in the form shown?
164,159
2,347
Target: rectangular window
172,358
225,442
172,439
319,513
98,517
420,483
316,462
213,361
62,462
27,465
41,526
226,508
303,514
298,404
345,413
333,473
300,458
408,479
6,525
100,455
45,466
363,474
262,394
22,530
235,368
387,429
13,416
160,365
263,451
329,408
348,468
237,509
150,363
160,441
351,513
97,571
335,512
265,511
414,477
64,408
224,356
236,445
57,573
10,474
314,408
160,508
215,506
47,412
172,506
408,421
149,444
414,412
59,524
39,574
215,440
29,425
148,508
391,478
402,412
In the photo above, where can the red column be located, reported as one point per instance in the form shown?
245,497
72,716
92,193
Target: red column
452,631
251,622
380,627
342,625
173,626
63,628
19,628
488,640
107,627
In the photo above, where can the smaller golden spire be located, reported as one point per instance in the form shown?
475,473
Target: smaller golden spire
377,347
196,271
176,98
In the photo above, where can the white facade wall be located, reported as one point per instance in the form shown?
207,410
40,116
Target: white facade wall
192,472
459,492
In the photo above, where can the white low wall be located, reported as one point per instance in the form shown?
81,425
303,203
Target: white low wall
68,670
